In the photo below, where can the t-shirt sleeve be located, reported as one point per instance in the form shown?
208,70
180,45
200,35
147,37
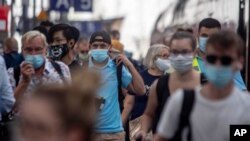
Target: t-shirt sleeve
170,116
126,77
65,71
239,81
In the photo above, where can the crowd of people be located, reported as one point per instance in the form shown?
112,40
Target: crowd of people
63,87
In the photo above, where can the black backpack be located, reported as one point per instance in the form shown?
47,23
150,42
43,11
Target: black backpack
162,92
54,64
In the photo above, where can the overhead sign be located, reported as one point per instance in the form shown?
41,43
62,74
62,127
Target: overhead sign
60,5
83,5
4,11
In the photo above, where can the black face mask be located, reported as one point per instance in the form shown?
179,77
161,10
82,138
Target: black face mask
57,52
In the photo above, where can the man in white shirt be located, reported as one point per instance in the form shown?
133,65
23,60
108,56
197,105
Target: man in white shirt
219,103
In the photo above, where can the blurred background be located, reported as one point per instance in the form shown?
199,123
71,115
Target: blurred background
140,22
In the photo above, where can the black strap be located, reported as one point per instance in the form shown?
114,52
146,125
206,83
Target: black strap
17,71
162,92
184,119
203,79
58,69
121,97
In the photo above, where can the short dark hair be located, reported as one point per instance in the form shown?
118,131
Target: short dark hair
226,39
46,23
115,33
69,32
209,23
42,29
184,35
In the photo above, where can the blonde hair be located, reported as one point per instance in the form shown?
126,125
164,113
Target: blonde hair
33,34
153,51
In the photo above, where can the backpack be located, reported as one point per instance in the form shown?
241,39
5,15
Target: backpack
162,93
17,71
184,118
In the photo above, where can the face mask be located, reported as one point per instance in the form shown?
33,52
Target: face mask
219,76
83,56
202,43
162,64
181,63
99,55
36,60
57,52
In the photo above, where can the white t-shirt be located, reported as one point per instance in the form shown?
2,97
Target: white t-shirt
210,120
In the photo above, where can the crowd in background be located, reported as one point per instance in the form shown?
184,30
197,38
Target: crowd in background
62,87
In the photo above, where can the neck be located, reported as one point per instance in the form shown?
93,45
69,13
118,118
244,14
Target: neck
214,93
185,76
155,72
68,58
39,71
100,64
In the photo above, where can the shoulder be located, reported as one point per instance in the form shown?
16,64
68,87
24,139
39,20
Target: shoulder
61,64
243,96
1,60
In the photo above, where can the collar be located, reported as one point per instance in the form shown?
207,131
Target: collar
109,64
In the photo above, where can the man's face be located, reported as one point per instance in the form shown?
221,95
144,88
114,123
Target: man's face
222,57
99,45
207,32
58,38
83,47
34,46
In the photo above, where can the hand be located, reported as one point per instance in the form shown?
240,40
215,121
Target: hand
122,58
27,70
140,136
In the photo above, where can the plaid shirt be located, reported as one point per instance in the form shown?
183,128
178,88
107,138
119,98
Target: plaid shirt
50,76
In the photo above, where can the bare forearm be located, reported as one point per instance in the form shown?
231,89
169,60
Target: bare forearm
19,91
146,123
137,81
128,107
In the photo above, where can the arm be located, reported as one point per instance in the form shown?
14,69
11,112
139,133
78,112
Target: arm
7,99
26,70
137,84
149,114
128,107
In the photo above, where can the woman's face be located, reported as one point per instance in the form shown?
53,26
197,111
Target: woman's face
39,122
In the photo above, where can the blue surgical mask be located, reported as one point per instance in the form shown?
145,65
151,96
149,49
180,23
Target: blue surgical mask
99,55
36,60
219,76
202,43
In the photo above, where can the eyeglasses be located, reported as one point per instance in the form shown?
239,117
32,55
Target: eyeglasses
31,49
224,60
177,52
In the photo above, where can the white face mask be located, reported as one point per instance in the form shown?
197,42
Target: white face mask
181,63
162,64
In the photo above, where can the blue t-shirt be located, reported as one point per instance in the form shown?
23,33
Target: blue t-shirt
141,101
109,118
238,81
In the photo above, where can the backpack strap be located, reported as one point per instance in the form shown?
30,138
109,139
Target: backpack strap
184,119
203,79
162,87
17,72
121,97
58,69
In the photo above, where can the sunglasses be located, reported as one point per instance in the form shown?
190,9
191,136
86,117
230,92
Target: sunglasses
224,60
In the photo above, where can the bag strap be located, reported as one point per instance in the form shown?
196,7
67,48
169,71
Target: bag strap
184,119
203,79
58,69
17,72
121,97
161,87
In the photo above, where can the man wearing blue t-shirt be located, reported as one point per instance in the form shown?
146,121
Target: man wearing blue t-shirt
109,124
207,27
